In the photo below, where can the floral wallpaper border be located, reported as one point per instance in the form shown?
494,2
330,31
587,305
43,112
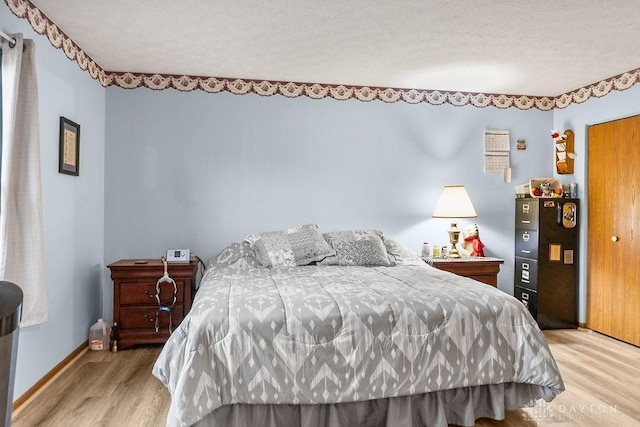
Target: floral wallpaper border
43,25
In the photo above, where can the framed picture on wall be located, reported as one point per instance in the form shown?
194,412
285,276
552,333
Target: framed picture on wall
69,147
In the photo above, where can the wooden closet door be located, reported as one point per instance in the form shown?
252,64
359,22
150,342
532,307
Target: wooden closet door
613,289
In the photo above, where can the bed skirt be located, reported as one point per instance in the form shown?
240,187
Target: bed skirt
440,408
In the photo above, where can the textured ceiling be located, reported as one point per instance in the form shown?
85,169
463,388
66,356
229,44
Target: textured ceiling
524,47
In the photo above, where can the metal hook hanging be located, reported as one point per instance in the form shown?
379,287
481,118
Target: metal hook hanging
168,304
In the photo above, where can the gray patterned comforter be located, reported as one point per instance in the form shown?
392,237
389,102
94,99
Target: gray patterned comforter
325,334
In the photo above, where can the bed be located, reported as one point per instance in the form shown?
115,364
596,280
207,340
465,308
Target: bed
364,334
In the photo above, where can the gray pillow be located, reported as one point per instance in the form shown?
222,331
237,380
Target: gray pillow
293,246
401,254
357,247
236,255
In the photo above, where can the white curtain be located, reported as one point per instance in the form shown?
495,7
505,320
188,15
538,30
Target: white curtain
21,241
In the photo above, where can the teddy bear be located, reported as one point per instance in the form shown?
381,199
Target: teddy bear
469,243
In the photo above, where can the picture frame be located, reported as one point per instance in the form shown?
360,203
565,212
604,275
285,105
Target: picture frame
69,162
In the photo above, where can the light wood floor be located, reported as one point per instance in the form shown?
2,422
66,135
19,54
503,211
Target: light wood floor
602,379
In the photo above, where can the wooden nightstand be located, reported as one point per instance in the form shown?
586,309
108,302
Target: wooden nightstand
135,306
482,269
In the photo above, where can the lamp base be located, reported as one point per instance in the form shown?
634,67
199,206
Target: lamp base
454,253
454,235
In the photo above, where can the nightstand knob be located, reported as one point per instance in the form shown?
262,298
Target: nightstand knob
614,238
146,292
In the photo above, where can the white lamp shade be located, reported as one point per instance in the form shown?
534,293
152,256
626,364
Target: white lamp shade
454,202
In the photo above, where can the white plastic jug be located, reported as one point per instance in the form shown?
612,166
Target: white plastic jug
99,334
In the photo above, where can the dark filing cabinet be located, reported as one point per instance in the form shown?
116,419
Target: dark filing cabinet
546,260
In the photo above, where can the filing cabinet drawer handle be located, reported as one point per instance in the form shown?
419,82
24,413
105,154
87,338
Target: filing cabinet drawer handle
524,299
525,221
524,251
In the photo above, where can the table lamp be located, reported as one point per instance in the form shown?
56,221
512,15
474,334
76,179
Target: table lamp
454,202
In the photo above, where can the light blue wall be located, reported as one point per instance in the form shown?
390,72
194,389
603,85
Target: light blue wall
73,209
577,117
200,171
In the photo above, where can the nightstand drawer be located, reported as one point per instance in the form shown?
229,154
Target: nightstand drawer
144,293
482,269
144,317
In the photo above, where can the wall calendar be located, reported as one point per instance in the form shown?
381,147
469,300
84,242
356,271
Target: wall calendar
496,151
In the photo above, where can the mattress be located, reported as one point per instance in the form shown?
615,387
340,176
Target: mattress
321,336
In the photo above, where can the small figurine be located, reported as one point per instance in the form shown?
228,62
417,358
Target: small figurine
546,189
469,243
558,136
